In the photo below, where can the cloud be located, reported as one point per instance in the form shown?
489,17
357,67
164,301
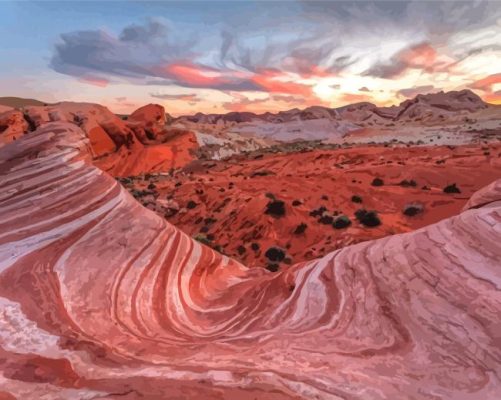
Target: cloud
288,52
487,86
134,54
191,97
486,83
414,91
93,80
354,98
420,56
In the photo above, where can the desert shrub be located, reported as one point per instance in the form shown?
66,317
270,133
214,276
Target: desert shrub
255,246
377,182
241,249
296,203
341,222
275,208
275,254
367,218
300,228
326,219
410,183
356,199
451,189
272,267
191,204
318,211
413,209
203,239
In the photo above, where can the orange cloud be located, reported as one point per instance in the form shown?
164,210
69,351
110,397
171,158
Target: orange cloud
493,98
193,74
421,56
354,98
268,80
92,80
486,83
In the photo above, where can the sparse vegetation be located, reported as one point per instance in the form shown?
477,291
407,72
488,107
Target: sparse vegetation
356,199
275,208
367,218
413,209
410,183
341,222
318,211
451,189
301,228
191,204
275,254
273,267
202,239
326,219
377,182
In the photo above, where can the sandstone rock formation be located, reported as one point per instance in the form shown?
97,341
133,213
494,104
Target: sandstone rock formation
148,122
12,126
102,298
115,144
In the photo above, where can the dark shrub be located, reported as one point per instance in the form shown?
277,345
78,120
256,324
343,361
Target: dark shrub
275,254
367,218
318,211
356,199
203,239
296,203
152,186
255,246
377,182
406,183
272,267
326,219
300,228
425,188
275,208
241,249
324,197
191,204
341,222
451,189
413,209
204,229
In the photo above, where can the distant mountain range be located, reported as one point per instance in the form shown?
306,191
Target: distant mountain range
428,105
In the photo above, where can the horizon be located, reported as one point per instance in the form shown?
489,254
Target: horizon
243,111
212,58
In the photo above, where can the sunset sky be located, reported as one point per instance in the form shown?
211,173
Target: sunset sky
217,57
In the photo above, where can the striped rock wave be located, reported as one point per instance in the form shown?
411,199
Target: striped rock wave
101,299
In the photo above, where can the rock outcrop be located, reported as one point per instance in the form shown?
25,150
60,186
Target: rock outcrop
102,298
12,126
148,122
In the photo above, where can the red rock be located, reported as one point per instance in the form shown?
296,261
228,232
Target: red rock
148,122
140,310
12,126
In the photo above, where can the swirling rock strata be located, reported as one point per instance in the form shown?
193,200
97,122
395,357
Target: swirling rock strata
102,298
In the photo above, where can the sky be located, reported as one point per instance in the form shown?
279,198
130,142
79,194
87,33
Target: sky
217,57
